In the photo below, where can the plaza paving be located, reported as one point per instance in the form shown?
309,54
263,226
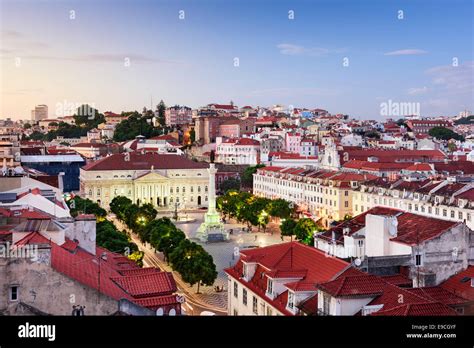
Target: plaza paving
225,254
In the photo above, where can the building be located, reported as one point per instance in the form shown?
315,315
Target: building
61,271
357,293
385,239
424,126
67,164
164,180
39,113
326,196
275,279
440,199
90,150
178,115
238,151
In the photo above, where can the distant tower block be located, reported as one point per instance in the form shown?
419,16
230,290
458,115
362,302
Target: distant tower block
212,229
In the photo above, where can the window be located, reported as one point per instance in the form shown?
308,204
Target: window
254,305
236,290
244,296
291,299
235,312
452,214
326,304
460,215
269,311
270,286
445,212
13,293
346,204
418,260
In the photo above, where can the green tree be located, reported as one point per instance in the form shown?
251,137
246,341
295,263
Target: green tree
280,208
88,117
193,263
161,113
134,125
26,126
443,133
192,136
78,205
247,176
304,230
119,205
287,227
37,136
108,237
166,237
230,184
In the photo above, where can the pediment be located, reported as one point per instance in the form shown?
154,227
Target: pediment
151,176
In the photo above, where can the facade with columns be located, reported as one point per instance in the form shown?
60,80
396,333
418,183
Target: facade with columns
160,179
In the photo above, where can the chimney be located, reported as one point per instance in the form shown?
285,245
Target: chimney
84,232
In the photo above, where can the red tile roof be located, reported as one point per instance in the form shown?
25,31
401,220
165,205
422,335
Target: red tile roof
460,284
412,229
418,309
140,161
145,285
120,278
306,265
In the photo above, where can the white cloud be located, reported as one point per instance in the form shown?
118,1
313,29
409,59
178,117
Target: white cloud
454,78
417,90
406,52
296,50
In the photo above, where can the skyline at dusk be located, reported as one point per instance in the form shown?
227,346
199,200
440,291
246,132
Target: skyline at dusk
344,57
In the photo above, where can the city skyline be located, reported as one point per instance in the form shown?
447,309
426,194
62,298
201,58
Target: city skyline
344,57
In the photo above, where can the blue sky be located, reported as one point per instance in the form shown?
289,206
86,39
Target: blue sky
191,61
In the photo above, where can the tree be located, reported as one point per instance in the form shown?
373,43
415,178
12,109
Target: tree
37,136
247,176
372,135
134,125
304,230
287,227
88,117
165,237
26,126
280,208
79,205
108,237
444,133
230,184
192,136
193,263
161,113
119,205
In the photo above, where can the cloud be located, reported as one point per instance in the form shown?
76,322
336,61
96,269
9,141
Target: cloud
454,78
406,52
296,50
13,34
417,90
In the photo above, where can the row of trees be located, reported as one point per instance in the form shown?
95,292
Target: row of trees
257,211
190,260
107,235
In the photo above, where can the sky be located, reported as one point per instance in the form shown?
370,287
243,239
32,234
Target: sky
346,57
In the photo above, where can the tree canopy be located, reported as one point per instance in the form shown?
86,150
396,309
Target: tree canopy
444,133
194,264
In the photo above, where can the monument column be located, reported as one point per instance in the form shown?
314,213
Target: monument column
212,189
